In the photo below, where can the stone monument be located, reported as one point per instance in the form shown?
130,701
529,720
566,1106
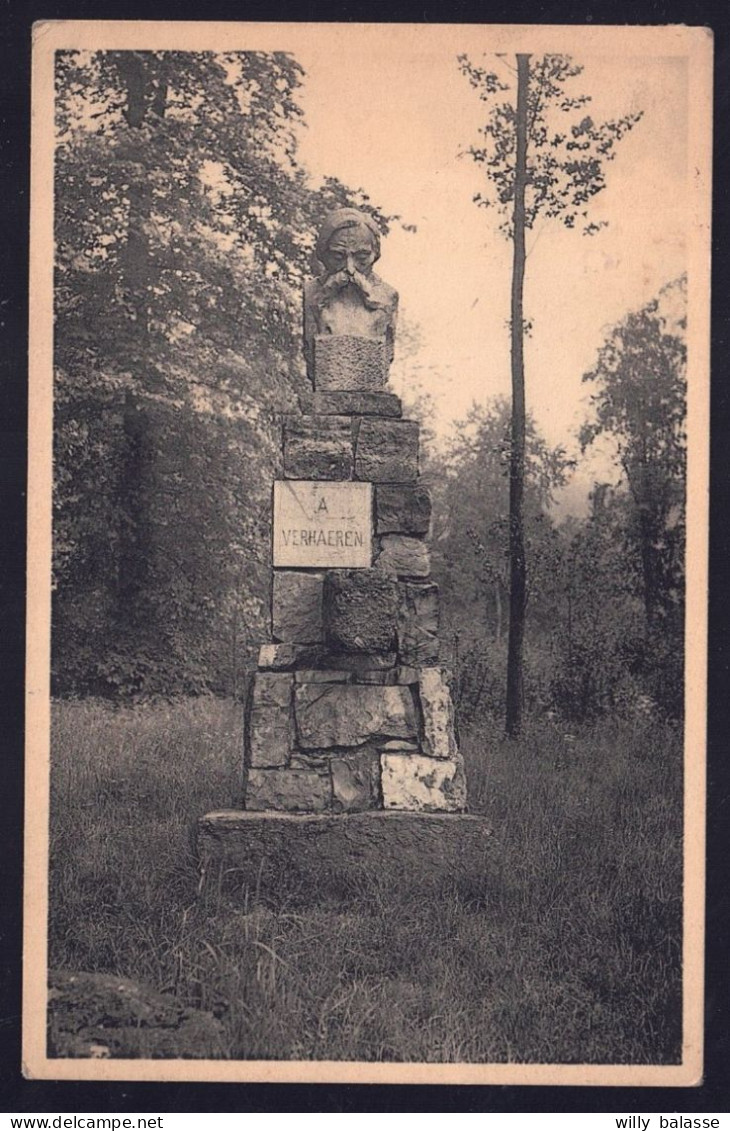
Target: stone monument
349,716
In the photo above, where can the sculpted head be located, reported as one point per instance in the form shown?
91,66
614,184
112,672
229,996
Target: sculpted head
348,242
347,299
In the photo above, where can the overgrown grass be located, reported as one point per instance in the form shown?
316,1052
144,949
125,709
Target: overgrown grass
568,951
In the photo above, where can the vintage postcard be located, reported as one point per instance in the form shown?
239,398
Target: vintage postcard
369,428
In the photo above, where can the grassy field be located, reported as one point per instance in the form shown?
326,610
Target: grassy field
569,951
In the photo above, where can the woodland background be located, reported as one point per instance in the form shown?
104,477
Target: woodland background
184,227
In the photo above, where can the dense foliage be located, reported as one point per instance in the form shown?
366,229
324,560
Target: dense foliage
471,552
605,626
184,226
640,403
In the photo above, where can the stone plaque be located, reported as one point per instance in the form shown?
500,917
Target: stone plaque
319,523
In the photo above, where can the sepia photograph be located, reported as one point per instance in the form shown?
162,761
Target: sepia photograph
369,429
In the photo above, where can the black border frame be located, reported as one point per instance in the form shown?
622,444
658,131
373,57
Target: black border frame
18,1095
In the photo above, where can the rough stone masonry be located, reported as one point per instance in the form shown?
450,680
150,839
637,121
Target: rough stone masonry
349,710
352,773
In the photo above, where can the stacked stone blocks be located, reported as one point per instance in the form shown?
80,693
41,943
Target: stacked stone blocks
318,740
352,769
349,710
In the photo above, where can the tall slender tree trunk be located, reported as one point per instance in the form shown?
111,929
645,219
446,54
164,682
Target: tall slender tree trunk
518,580
144,95
649,565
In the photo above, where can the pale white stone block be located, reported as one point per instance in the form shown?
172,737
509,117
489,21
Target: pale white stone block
420,784
439,740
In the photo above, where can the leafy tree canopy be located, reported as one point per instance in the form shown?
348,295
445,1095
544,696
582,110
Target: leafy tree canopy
566,154
640,402
184,226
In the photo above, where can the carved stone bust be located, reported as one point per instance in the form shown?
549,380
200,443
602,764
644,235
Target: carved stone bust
348,298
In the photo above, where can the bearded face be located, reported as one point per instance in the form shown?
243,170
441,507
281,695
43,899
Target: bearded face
350,252
348,299
348,260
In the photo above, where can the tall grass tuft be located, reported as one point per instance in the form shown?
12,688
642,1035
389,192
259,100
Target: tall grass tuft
568,950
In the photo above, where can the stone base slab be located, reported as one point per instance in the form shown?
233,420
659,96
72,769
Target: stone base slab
351,403
315,858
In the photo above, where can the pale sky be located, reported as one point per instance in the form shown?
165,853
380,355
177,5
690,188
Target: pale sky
394,123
